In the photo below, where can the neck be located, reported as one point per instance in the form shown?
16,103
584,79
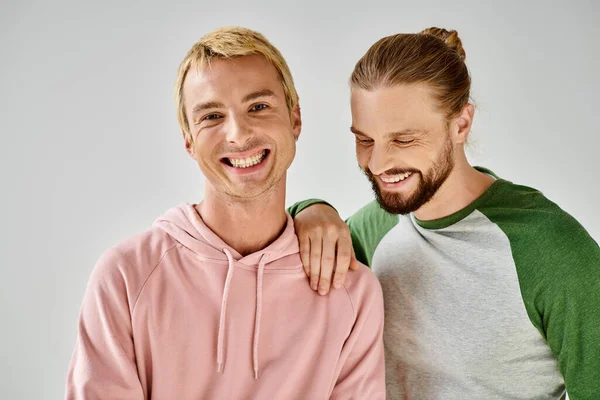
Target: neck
247,225
462,187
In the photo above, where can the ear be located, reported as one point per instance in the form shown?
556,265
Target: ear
460,126
189,145
296,120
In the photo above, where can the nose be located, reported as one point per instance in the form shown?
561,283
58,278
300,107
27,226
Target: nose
237,131
381,159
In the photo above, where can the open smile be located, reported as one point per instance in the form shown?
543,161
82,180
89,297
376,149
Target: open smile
246,163
395,181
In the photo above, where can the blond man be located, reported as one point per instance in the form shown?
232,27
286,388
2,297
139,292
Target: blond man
211,302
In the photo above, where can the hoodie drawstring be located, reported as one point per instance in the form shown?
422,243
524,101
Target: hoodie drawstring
224,310
259,282
257,320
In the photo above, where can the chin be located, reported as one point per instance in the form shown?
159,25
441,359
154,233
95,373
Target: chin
251,191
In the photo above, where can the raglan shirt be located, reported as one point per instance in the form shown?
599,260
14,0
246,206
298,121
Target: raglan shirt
500,300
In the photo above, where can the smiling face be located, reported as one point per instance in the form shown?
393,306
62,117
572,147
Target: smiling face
403,144
242,131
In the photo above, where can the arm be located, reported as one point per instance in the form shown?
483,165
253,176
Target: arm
362,369
326,240
571,317
325,244
103,362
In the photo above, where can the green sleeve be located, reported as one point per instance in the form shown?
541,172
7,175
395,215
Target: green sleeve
570,313
295,208
367,227
558,265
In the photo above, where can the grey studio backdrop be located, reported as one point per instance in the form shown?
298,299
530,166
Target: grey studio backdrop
91,151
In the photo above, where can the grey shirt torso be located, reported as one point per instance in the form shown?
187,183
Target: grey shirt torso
456,326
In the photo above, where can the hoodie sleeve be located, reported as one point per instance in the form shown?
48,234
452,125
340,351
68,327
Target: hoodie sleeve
103,362
362,361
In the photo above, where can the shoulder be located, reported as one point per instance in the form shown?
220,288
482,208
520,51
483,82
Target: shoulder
527,213
367,227
364,290
547,242
123,268
146,249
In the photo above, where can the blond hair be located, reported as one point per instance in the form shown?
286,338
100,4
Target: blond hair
434,56
229,42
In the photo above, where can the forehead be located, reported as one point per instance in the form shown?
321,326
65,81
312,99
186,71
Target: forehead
395,108
230,78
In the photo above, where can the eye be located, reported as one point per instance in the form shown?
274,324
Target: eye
404,142
364,142
258,107
210,117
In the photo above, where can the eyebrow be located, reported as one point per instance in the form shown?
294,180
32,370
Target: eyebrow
256,95
205,106
249,97
388,135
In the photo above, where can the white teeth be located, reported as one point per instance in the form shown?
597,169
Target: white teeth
396,178
248,161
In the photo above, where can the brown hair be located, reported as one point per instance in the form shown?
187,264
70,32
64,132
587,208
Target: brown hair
229,42
434,56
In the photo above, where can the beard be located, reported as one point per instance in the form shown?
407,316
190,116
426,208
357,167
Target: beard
428,185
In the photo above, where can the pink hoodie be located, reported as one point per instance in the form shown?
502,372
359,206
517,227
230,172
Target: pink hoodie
175,313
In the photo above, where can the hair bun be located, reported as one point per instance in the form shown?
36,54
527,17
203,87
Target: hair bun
449,37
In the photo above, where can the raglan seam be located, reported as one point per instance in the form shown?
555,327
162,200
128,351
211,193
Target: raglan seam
526,303
139,293
351,303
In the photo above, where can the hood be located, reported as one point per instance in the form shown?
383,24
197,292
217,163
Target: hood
184,224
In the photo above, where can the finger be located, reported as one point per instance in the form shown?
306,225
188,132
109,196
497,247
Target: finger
344,255
315,260
354,264
305,253
327,264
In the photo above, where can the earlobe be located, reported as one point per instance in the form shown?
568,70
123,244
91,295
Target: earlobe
189,145
464,122
296,121
190,151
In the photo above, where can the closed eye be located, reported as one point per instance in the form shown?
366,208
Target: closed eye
404,141
364,142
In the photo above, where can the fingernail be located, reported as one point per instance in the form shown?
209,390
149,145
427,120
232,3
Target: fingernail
337,284
322,290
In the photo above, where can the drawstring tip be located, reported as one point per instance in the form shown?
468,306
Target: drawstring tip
255,374
219,367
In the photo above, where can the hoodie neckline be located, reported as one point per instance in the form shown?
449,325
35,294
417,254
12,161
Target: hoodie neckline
186,225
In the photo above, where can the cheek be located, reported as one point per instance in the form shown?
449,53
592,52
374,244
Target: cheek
205,146
276,129
429,157
286,147
269,121
415,156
